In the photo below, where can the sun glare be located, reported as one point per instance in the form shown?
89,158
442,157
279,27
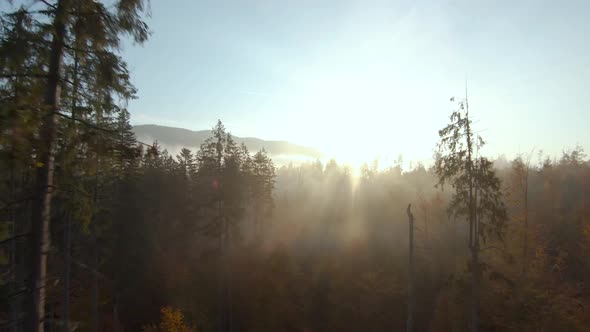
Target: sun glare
354,113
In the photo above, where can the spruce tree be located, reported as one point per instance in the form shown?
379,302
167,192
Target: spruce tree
477,195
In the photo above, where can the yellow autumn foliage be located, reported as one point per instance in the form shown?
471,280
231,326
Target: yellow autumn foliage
171,320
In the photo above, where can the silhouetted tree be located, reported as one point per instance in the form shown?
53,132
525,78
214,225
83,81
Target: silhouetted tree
477,194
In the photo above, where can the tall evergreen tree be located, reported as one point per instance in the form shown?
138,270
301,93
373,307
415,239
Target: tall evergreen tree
477,196
91,31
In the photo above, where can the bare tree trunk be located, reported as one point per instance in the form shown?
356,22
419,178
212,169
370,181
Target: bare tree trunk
410,322
41,214
115,277
221,279
525,247
228,273
473,226
14,305
94,230
95,284
68,226
475,288
66,277
14,308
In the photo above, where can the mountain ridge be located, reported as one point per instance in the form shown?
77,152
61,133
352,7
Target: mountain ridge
173,138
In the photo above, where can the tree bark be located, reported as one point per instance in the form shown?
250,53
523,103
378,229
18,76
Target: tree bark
473,226
95,319
41,214
94,229
525,248
66,286
14,304
410,322
475,289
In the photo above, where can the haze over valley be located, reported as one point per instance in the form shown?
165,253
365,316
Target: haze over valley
174,139
294,166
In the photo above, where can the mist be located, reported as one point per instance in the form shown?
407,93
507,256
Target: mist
332,166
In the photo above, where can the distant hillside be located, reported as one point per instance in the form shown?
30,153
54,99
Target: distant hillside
174,139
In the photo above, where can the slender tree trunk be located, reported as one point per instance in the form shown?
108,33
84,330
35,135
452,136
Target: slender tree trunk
475,287
75,90
94,230
525,248
41,214
95,284
14,310
14,307
221,280
68,226
228,274
66,277
410,322
115,277
228,278
473,226
426,225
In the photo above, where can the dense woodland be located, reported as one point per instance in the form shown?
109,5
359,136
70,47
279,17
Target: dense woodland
101,232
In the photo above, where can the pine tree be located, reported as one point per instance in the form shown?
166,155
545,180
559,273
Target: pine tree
263,180
77,43
477,194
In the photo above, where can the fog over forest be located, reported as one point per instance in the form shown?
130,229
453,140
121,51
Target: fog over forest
105,226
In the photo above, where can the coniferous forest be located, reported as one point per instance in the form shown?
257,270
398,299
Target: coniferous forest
102,232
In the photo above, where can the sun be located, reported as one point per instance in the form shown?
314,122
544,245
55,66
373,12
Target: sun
350,123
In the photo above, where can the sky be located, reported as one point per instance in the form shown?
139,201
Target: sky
365,79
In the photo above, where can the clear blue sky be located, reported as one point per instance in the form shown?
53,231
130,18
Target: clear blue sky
366,78
374,75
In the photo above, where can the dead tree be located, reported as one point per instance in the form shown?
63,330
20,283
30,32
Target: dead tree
410,321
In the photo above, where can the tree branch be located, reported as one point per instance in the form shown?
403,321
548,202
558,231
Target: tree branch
35,75
49,4
10,239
